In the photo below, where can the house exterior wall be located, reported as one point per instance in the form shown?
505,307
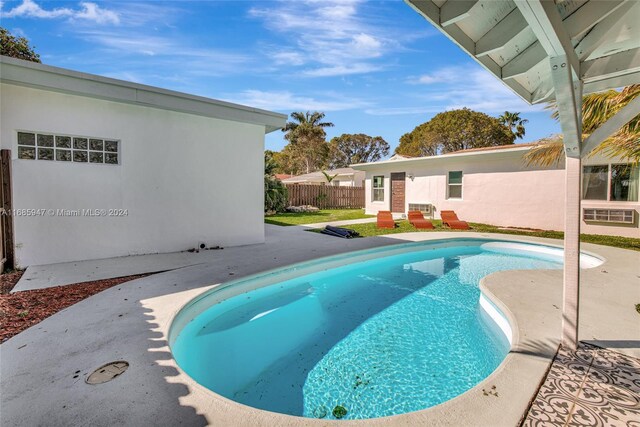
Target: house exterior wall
173,179
497,189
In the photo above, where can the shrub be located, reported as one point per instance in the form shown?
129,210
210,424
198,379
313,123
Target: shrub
275,195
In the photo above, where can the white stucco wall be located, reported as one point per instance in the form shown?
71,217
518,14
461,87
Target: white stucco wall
183,178
498,189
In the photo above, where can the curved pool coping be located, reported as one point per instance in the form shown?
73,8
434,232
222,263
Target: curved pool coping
476,406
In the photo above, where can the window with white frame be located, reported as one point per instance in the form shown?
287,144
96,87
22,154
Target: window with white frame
454,185
66,148
378,188
618,183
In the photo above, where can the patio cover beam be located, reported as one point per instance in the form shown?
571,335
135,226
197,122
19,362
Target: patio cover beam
611,126
576,25
619,64
455,10
607,24
502,33
545,21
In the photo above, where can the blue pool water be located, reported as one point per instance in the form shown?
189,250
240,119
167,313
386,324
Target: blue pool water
383,336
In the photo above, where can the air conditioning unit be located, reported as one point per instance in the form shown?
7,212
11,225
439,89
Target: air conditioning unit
425,208
620,216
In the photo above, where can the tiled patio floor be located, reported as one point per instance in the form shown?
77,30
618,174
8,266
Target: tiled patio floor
589,387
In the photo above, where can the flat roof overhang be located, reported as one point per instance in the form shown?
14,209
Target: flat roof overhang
40,76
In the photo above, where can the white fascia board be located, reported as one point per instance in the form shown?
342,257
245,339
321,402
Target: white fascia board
45,77
440,158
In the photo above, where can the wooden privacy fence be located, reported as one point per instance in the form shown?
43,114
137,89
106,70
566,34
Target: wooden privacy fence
6,220
326,196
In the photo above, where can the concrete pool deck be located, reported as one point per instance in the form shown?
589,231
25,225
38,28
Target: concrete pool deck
130,322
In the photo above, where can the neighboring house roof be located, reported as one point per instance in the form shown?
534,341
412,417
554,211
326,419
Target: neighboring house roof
400,156
282,176
40,76
319,176
461,153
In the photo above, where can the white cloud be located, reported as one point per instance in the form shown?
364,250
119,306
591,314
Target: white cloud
443,75
342,70
28,8
450,88
288,58
172,57
93,12
328,38
287,101
87,11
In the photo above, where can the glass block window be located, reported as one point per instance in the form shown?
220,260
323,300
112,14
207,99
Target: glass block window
454,185
378,188
66,148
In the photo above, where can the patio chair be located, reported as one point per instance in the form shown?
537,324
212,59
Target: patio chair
450,219
385,220
418,221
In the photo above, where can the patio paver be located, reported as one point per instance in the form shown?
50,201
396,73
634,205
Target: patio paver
591,386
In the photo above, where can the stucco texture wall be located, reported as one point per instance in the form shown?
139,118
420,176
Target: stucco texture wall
498,189
182,178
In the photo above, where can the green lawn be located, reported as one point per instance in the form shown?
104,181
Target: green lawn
324,215
370,229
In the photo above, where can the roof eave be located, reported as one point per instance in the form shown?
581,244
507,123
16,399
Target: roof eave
39,76
442,157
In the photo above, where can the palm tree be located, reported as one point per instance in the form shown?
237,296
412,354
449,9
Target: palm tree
514,123
597,108
306,137
300,119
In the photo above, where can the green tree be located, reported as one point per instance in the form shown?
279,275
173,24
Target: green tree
16,47
453,131
514,123
307,149
348,149
597,108
275,192
418,143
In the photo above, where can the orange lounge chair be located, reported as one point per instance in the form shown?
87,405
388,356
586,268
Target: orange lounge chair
418,221
385,220
450,219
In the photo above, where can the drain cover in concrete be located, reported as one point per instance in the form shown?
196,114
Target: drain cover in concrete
107,372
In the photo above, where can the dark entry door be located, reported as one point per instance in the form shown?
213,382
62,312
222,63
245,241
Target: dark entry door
397,192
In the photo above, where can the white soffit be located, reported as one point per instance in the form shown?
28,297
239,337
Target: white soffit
604,34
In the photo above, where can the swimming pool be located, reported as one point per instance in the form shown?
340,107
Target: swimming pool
376,333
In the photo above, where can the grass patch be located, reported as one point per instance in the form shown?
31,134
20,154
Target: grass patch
323,215
370,229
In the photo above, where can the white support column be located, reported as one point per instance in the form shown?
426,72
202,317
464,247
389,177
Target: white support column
568,91
571,289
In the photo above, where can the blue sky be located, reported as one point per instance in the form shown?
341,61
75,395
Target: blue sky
373,67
